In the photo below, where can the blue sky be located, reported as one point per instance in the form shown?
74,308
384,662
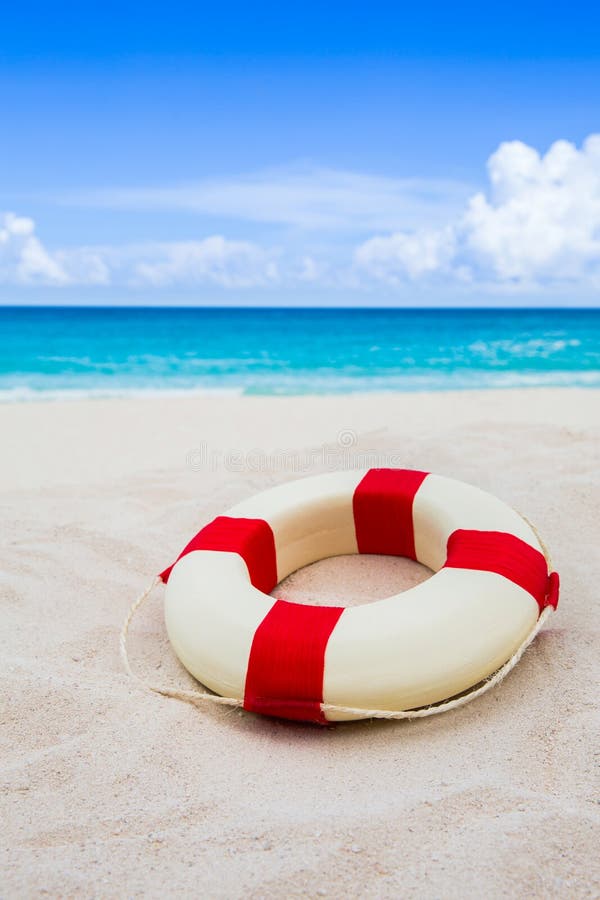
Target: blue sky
338,153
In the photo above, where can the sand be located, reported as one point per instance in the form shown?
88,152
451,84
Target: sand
109,791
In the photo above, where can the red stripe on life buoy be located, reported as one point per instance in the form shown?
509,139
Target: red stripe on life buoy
251,538
383,511
507,555
553,589
287,661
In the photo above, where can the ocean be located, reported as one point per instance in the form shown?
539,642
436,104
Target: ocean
60,352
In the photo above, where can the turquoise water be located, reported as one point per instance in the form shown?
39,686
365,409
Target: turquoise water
53,351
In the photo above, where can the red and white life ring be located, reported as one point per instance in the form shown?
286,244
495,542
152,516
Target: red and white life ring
411,650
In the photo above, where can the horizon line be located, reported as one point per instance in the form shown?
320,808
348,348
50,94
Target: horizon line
294,308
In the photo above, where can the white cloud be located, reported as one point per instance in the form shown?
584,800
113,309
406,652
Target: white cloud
538,224
309,270
214,260
23,258
304,197
413,254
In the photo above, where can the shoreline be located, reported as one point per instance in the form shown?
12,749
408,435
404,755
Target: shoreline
27,395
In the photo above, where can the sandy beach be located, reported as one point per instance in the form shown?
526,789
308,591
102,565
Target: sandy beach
110,791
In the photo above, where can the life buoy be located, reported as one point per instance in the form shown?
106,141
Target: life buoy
411,650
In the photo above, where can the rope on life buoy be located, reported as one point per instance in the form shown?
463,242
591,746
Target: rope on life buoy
193,697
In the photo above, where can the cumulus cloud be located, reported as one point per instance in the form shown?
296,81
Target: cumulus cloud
413,254
24,260
214,260
538,223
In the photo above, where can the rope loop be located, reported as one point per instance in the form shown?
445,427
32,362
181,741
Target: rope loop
194,697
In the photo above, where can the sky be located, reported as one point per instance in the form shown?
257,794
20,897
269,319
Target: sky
300,154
